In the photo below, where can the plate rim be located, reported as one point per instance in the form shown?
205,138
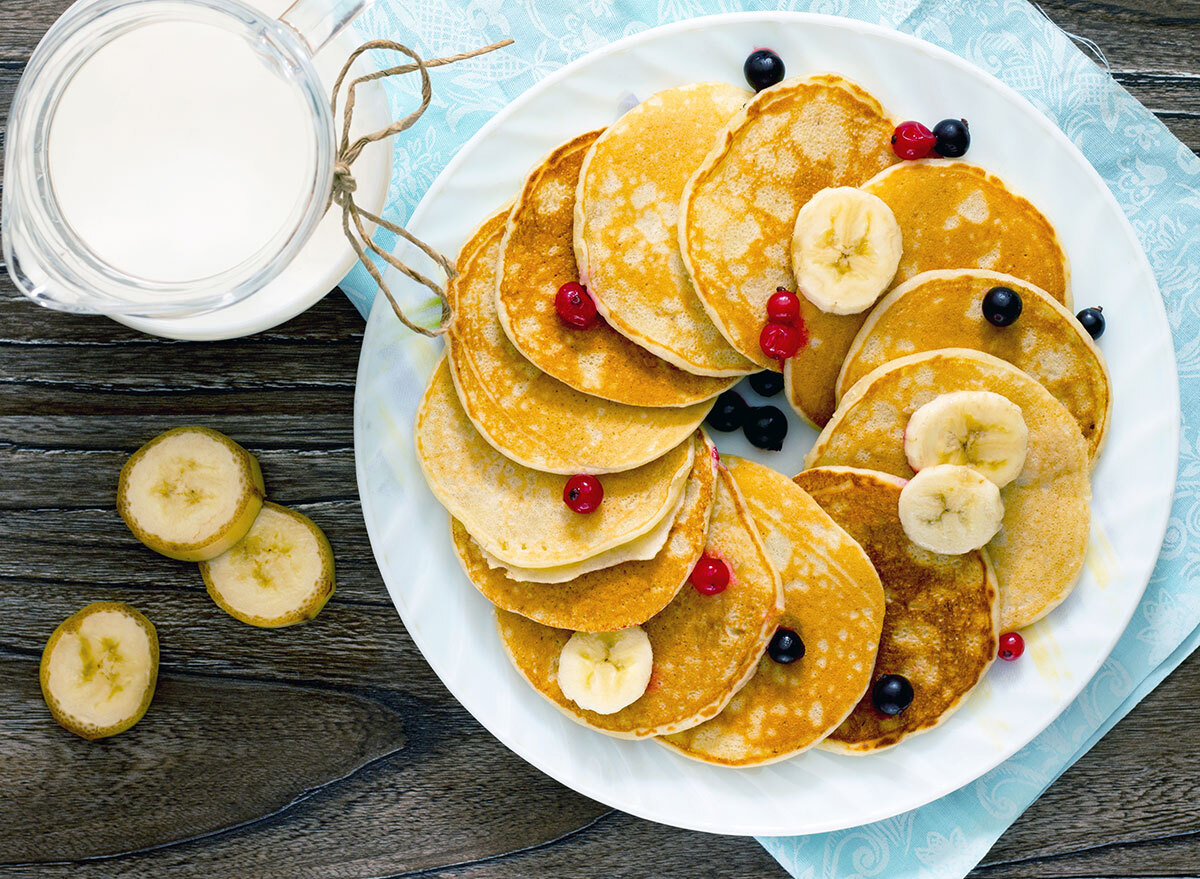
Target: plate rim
1048,127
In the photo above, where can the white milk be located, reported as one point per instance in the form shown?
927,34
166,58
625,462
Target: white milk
176,152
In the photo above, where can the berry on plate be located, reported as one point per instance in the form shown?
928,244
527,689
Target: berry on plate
1012,645
728,413
575,306
785,646
892,694
710,576
912,140
763,69
766,383
953,138
783,307
1093,321
766,427
779,341
583,493
1001,306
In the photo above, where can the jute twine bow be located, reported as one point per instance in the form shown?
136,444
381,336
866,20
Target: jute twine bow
344,184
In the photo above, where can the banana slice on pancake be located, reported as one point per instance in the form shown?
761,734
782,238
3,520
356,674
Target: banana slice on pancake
615,596
833,602
977,429
704,647
845,249
950,509
517,514
603,672
941,627
528,415
1038,552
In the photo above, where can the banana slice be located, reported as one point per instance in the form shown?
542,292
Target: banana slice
99,669
190,493
845,249
950,509
280,574
979,429
606,671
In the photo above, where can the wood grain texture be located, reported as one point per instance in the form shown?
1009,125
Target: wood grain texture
331,749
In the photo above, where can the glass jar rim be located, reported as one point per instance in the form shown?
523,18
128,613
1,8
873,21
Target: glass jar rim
47,258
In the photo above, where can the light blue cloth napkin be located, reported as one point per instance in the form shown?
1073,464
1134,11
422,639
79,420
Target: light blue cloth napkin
1155,178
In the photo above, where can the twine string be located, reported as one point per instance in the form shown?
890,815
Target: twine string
344,184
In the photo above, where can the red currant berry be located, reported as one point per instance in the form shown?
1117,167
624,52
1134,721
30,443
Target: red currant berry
575,307
710,576
783,307
912,140
583,493
1012,645
779,341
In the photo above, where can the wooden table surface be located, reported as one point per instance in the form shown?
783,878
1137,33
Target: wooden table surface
331,749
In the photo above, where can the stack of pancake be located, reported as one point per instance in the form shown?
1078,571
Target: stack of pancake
679,221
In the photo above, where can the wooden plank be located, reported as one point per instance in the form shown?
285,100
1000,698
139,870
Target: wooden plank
1135,34
334,781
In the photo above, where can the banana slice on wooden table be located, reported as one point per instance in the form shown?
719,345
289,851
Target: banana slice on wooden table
190,493
99,669
605,671
279,574
846,247
978,429
950,509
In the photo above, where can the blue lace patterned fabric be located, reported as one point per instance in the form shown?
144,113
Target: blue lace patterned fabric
1154,177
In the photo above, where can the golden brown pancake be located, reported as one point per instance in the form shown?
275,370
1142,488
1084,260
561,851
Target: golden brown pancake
944,309
532,418
537,257
940,628
705,646
627,225
832,598
612,598
958,216
739,208
952,216
518,514
1038,551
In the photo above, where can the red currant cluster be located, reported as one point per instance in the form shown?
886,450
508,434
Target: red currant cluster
784,333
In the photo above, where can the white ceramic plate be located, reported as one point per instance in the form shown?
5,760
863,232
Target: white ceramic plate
327,256
1133,484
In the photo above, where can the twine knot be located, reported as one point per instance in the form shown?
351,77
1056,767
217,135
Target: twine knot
344,184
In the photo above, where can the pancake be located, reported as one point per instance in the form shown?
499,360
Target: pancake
739,208
940,629
952,216
532,418
627,225
705,646
832,598
944,309
536,258
623,595
1038,551
517,514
